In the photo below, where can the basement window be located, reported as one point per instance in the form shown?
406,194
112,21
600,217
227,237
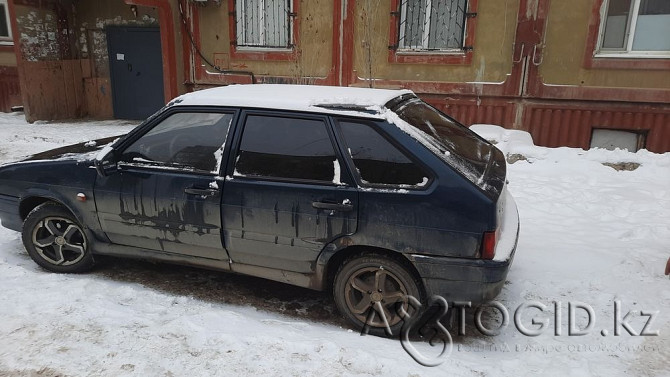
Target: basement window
264,23
635,28
622,139
432,25
5,27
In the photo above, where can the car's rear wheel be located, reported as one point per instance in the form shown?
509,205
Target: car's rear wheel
369,291
55,240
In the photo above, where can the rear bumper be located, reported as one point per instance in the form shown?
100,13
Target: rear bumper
9,212
473,280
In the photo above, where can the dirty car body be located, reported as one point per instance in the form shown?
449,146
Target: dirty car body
291,183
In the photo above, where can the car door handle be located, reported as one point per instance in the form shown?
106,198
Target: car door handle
340,207
201,192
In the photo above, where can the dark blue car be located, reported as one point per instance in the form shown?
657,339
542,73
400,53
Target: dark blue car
372,194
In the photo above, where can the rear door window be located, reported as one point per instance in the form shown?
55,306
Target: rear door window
452,142
287,148
377,160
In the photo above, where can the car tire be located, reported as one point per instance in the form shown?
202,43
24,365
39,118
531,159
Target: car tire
55,240
361,293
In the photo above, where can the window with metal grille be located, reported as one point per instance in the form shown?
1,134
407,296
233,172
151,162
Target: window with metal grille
264,23
432,24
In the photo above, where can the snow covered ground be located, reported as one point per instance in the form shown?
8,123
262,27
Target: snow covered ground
589,234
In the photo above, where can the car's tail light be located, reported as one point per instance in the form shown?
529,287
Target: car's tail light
489,245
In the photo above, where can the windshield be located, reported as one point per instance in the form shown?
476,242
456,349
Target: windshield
454,143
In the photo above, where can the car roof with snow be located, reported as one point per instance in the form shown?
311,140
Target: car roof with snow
312,98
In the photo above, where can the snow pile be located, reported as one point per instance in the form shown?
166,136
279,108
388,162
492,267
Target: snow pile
518,145
589,234
508,141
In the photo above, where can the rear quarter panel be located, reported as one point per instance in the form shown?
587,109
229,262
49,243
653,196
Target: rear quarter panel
445,218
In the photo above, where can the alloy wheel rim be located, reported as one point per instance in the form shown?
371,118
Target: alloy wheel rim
373,294
59,241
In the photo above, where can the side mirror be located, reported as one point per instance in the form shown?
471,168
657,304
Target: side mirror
104,162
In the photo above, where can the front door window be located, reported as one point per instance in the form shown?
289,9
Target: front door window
187,141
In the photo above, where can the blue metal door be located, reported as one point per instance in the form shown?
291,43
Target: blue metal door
136,71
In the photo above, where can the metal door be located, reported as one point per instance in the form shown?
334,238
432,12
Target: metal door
136,71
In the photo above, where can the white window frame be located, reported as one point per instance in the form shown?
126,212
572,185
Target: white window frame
627,51
6,40
425,37
240,28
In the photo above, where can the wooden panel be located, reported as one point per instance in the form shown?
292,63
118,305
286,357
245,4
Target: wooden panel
98,98
86,70
53,90
10,94
78,83
69,88
39,94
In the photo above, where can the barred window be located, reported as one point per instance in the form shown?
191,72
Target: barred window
432,24
264,23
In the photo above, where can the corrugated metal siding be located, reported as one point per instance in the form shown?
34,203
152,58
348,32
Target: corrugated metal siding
554,126
10,91
561,123
476,111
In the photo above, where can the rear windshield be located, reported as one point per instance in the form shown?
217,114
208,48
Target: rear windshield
454,143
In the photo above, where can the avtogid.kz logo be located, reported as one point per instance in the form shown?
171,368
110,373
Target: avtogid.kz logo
532,318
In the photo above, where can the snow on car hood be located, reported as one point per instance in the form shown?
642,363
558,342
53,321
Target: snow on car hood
80,152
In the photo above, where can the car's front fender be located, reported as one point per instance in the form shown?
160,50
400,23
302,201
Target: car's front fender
60,181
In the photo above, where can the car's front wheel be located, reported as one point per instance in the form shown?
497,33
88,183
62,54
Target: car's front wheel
369,291
55,240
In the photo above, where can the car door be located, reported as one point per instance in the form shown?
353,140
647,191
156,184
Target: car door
286,195
165,195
